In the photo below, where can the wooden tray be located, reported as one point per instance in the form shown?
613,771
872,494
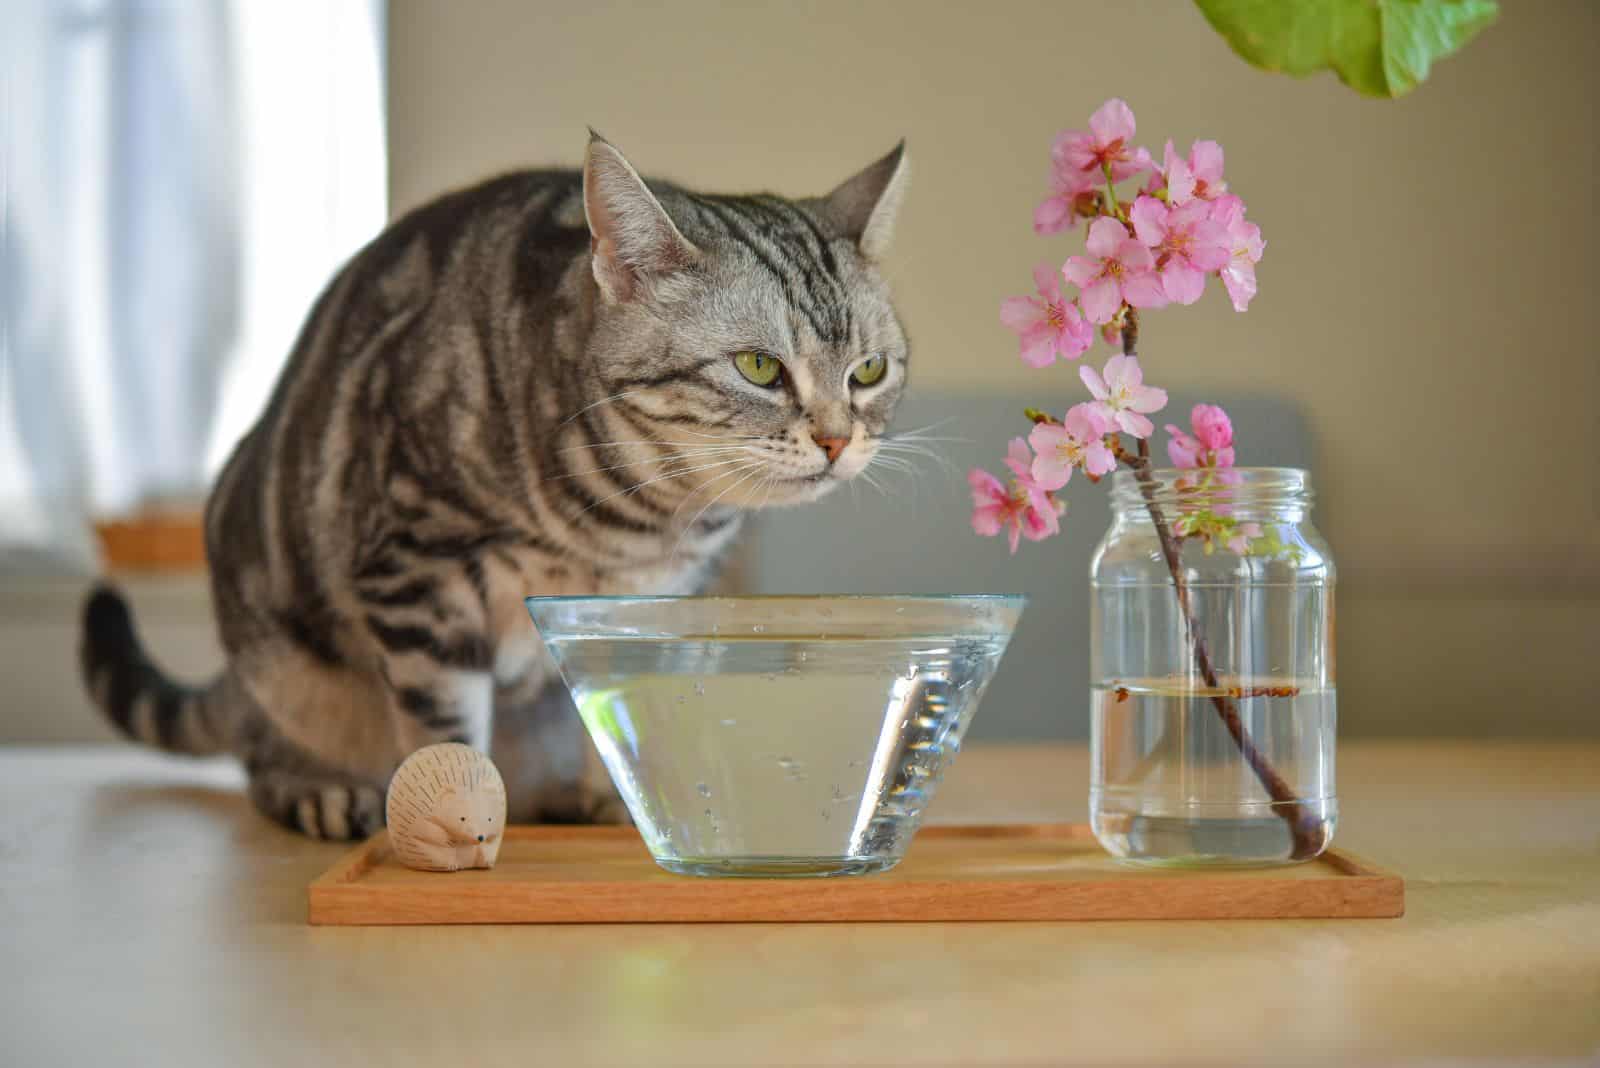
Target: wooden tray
952,874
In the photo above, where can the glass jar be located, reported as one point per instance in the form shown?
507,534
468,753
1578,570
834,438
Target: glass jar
1212,667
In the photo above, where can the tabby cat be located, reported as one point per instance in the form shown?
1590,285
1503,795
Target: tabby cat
555,382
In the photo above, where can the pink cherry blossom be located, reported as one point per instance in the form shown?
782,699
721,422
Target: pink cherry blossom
1108,142
1197,178
1243,534
1024,509
1119,269
1244,246
1211,444
1071,198
1187,242
1079,441
1047,325
1122,396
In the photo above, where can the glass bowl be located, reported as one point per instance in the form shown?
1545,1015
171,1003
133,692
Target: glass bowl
776,736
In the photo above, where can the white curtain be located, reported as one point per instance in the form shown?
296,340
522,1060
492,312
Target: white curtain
179,179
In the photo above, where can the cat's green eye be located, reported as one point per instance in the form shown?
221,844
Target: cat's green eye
758,367
871,371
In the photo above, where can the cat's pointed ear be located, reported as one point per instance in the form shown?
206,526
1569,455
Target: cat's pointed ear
864,207
631,237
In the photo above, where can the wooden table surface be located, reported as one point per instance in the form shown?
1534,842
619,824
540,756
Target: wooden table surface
147,916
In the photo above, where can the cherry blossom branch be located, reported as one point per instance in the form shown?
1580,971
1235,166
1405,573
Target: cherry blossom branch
1155,247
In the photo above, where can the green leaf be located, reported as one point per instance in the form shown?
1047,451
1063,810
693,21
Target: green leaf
1377,47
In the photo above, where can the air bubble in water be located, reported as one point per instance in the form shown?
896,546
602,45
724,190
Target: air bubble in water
705,791
729,722
759,629
700,689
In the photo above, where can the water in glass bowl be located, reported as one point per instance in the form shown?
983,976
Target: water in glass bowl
1168,783
787,754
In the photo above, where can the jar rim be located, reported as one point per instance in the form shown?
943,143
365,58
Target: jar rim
1262,487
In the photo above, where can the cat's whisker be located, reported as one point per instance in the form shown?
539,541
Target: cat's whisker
874,483
679,457
690,525
650,482
738,443
590,407
904,453
920,432
708,483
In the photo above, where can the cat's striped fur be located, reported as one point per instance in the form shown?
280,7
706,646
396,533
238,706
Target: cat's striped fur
526,387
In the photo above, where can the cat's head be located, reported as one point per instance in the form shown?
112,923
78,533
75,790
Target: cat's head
754,332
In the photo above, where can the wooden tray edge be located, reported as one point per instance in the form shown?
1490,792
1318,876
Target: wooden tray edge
336,898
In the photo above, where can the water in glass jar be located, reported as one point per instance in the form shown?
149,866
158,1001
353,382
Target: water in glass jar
1169,784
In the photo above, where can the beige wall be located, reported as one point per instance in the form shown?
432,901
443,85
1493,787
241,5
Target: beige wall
1427,292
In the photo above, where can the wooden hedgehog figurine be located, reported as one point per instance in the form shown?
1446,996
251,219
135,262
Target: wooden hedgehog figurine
446,809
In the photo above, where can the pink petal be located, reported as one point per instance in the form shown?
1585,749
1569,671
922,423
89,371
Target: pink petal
1078,335
1247,236
1080,156
1077,425
1113,121
1224,457
1038,348
1101,300
1019,458
1075,150
1210,245
1134,256
1180,179
1149,217
1040,521
1147,398
1205,157
1185,216
1081,270
1143,290
1044,277
1052,216
1020,314
985,487
1135,424
1088,416
1097,459
1227,210
1096,385
1132,162
1122,371
1239,278
986,521
1070,181
1106,236
1211,426
1182,283
1051,472
1044,437
1181,448
1015,534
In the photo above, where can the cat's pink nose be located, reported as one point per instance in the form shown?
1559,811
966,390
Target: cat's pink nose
832,446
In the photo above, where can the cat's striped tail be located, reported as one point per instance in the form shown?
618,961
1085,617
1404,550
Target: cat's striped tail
135,695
